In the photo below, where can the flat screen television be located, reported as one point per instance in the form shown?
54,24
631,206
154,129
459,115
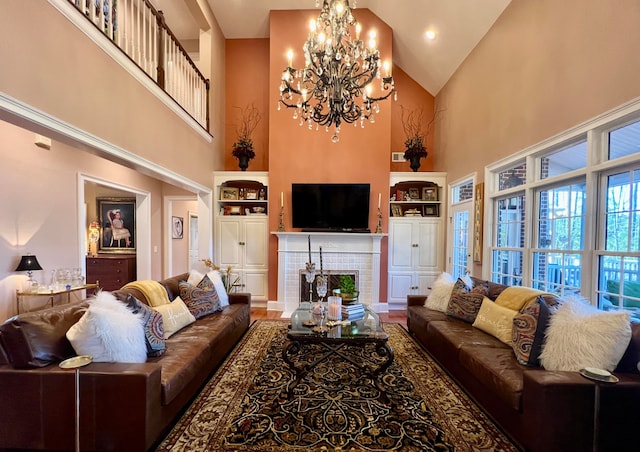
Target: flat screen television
330,207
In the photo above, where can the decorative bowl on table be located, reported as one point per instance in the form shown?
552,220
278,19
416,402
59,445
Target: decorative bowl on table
258,209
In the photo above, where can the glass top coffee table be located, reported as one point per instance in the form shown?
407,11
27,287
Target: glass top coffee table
312,339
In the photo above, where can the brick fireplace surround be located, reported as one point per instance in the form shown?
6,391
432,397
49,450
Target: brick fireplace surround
341,253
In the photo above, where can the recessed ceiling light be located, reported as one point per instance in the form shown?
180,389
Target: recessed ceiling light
430,35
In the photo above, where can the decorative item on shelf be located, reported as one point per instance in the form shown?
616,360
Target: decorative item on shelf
243,147
414,144
348,291
230,280
338,71
29,264
94,238
379,226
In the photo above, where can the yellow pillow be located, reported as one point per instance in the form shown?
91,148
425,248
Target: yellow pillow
175,316
495,320
517,297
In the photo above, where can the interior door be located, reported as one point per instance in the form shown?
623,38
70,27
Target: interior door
194,255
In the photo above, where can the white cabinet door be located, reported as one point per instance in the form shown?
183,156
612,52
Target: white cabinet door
255,243
428,254
401,245
400,285
228,238
256,283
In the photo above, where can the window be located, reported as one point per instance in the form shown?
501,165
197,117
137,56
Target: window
619,261
512,177
557,261
508,256
565,213
565,160
460,230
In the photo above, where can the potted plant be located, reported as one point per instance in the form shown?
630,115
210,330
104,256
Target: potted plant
242,149
348,291
414,144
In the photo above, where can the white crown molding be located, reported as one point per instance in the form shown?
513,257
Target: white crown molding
103,42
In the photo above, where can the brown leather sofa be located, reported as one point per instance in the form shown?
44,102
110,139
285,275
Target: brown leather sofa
542,411
123,407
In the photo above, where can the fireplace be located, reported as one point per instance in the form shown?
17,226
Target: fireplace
333,282
342,253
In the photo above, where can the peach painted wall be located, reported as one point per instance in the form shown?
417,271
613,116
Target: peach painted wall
57,69
247,69
411,96
297,154
544,67
254,68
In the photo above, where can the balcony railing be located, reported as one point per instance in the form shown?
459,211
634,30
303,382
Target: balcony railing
141,32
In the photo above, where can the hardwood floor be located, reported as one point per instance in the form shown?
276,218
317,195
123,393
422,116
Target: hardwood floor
387,317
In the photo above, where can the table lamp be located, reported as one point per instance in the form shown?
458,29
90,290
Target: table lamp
29,264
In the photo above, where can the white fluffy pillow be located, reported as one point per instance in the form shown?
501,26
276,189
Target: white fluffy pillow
214,275
579,335
109,332
438,299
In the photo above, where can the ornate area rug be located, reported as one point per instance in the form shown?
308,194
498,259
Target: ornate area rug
245,407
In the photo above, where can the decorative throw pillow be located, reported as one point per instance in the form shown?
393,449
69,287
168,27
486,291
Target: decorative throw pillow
201,299
175,316
109,332
579,335
214,275
529,327
495,320
517,297
465,302
151,321
438,299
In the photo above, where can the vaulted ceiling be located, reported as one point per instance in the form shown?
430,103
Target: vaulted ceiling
458,26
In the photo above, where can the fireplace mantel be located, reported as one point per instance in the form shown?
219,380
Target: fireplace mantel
340,251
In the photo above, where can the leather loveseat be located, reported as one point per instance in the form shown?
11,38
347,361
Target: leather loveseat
541,410
123,407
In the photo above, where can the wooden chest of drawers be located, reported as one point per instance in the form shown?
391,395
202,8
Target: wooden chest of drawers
113,271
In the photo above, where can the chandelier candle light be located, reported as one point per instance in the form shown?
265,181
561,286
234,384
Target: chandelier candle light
338,71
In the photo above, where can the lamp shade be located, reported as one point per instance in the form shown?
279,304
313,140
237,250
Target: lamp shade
28,263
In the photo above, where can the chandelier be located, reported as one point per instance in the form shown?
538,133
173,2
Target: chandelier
335,84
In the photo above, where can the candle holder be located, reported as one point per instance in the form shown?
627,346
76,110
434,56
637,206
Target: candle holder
310,276
379,226
281,225
322,283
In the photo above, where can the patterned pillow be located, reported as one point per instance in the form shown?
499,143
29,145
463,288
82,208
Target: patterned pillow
201,299
151,321
465,302
529,327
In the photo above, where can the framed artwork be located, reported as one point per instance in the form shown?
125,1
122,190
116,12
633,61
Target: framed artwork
431,210
430,194
396,210
400,195
229,193
117,225
414,193
478,218
251,194
177,227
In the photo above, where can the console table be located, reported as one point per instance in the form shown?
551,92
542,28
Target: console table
53,293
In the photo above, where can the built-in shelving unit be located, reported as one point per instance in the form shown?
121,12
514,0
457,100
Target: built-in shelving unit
241,229
416,234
